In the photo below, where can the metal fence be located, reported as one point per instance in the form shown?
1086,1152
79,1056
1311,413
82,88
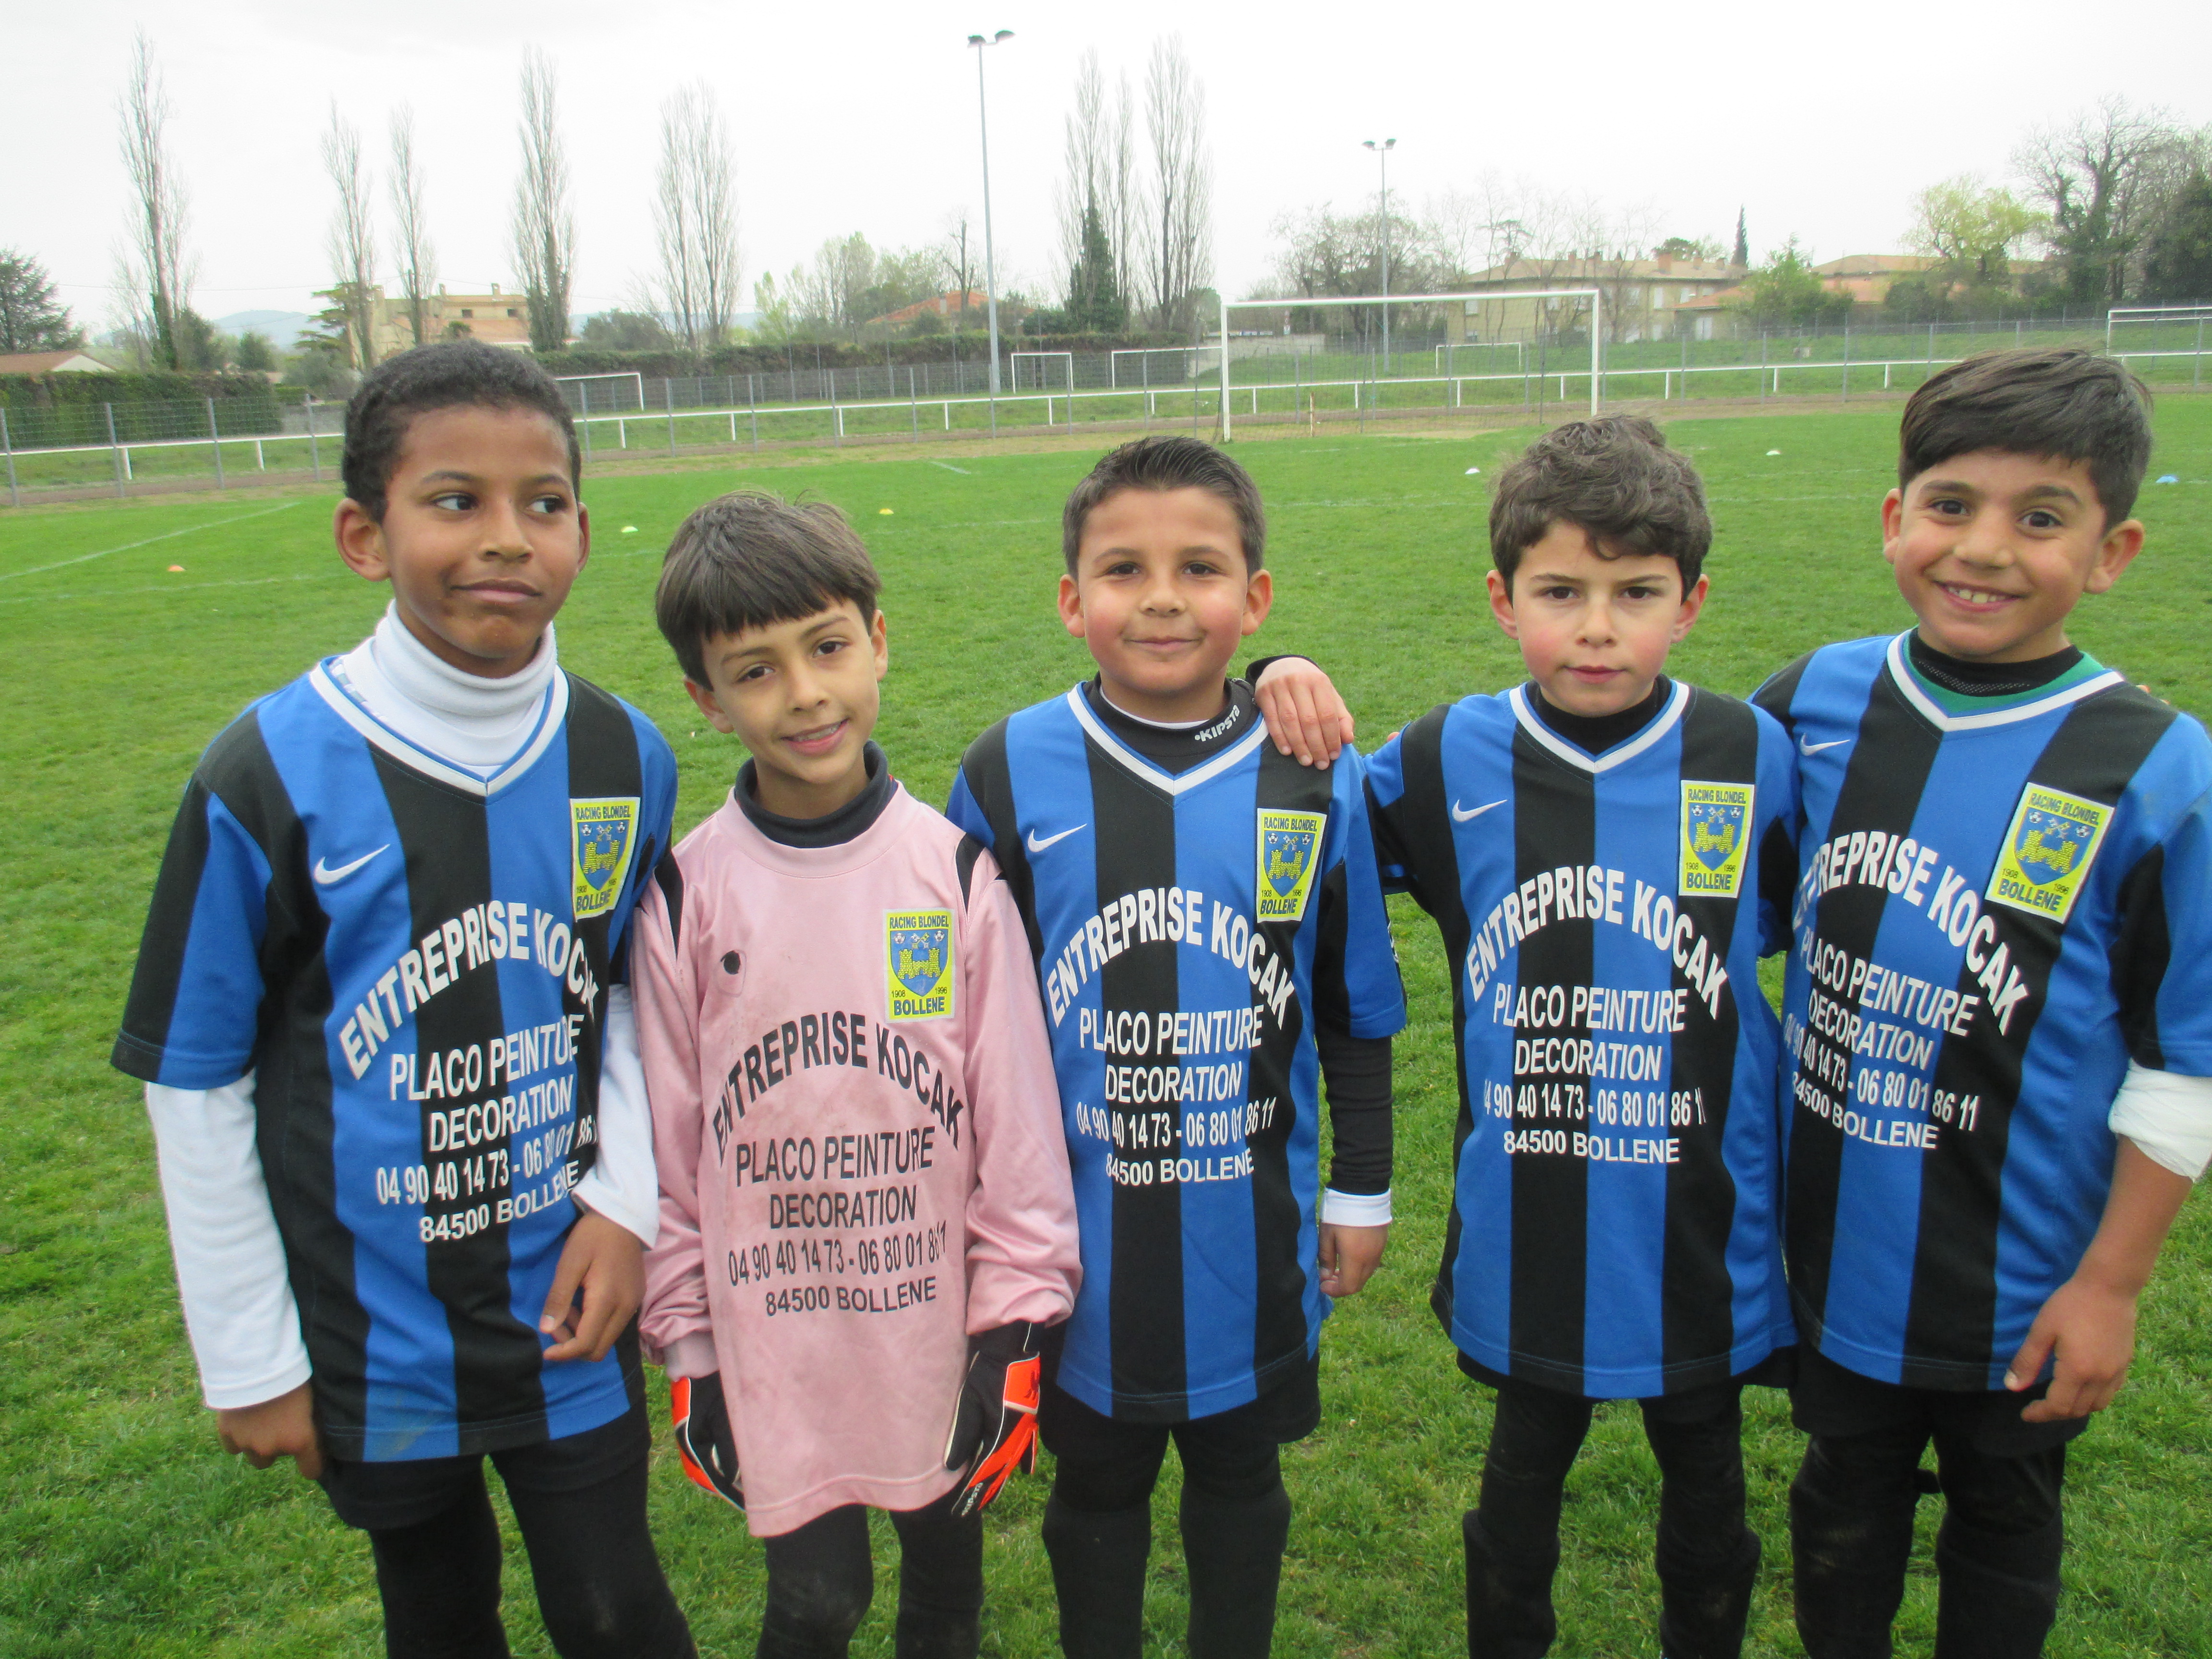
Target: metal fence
126,448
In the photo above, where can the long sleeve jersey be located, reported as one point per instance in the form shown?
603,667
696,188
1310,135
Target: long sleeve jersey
859,1139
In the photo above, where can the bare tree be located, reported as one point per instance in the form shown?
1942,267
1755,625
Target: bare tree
156,272
543,228
959,256
1096,210
418,262
2103,178
352,239
696,219
1081,162
1122,207
1179,204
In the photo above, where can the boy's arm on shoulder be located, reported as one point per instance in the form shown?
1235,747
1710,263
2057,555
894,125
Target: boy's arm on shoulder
981,802
1021,1254
667,1012
1783,808
1305,715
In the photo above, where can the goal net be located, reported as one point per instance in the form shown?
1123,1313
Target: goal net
603,394
1048,371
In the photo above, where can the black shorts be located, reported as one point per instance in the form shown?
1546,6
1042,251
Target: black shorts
1832,1401
379,1497
1289,1410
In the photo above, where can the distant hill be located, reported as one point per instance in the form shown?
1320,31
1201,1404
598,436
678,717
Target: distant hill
279,328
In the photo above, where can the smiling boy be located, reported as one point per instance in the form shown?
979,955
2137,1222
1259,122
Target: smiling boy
1597,847
865,1219
1998,1013
388,1052
1204,915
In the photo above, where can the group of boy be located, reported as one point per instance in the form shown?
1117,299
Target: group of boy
903,1140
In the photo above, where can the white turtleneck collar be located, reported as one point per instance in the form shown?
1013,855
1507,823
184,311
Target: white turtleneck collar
474,723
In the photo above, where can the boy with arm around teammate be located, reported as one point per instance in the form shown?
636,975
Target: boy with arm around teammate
1205,917
866,1217
1599,846
1998,1013
389,1053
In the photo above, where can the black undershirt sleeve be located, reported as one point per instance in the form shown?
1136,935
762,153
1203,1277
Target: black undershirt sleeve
1357,1074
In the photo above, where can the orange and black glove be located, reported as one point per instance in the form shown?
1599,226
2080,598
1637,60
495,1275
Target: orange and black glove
995,1422
705,1442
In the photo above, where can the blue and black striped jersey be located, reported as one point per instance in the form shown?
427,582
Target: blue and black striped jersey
1613,1229
1997,910
1190,928
413,962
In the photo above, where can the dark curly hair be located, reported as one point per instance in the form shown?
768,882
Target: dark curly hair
2067,405
448,374
1615,480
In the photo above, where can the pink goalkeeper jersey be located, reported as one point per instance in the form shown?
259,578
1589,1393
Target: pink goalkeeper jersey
859,1138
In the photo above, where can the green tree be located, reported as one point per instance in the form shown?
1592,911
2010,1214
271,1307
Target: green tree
332,328
255,356
1972,228
1095,301
31,318
1688,247
200,343
1786,291
627,331
1742,254
2178,268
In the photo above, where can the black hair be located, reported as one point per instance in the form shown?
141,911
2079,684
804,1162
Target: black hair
447,374
1166,461
1615,480
2058,402
750,558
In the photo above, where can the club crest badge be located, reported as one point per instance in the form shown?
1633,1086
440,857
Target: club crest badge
604,833
918,963
1716,822
2047,852
1289,847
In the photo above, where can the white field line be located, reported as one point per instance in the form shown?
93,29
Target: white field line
171,588
189,529
949,467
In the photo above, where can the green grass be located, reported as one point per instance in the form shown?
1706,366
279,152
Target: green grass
122,1528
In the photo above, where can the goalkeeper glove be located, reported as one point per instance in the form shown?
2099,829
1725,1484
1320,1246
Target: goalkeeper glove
705,1442
995,1422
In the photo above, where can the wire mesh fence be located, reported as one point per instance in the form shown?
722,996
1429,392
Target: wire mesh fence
138,447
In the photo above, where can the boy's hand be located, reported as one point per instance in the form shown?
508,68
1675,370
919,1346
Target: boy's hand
1349,1256
1305,715
2093,1328
604,1262
995,1418
282,1427
706,1443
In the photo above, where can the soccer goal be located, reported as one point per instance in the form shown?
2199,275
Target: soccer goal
2155,328
1543,301
603,394
1040,377
1180,368
1449,362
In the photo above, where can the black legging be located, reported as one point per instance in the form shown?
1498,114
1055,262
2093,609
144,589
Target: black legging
821,1578
1706,1556
600,1585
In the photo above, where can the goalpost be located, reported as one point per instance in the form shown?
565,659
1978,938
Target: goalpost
1189,354
2189,317
1036,374
603,394
1324,302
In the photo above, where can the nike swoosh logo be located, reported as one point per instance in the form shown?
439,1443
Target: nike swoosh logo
1461,815
1036,846
325,875
1804,748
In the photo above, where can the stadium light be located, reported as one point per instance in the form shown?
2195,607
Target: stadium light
990,275
1383,158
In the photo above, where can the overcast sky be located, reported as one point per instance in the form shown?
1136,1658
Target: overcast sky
1818,120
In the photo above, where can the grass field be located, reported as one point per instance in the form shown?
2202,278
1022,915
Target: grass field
125,1530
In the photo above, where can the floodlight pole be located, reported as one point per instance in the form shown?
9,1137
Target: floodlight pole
990,275
1382,158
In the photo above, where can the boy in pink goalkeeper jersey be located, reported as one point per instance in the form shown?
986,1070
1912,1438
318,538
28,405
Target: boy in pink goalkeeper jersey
865,1210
